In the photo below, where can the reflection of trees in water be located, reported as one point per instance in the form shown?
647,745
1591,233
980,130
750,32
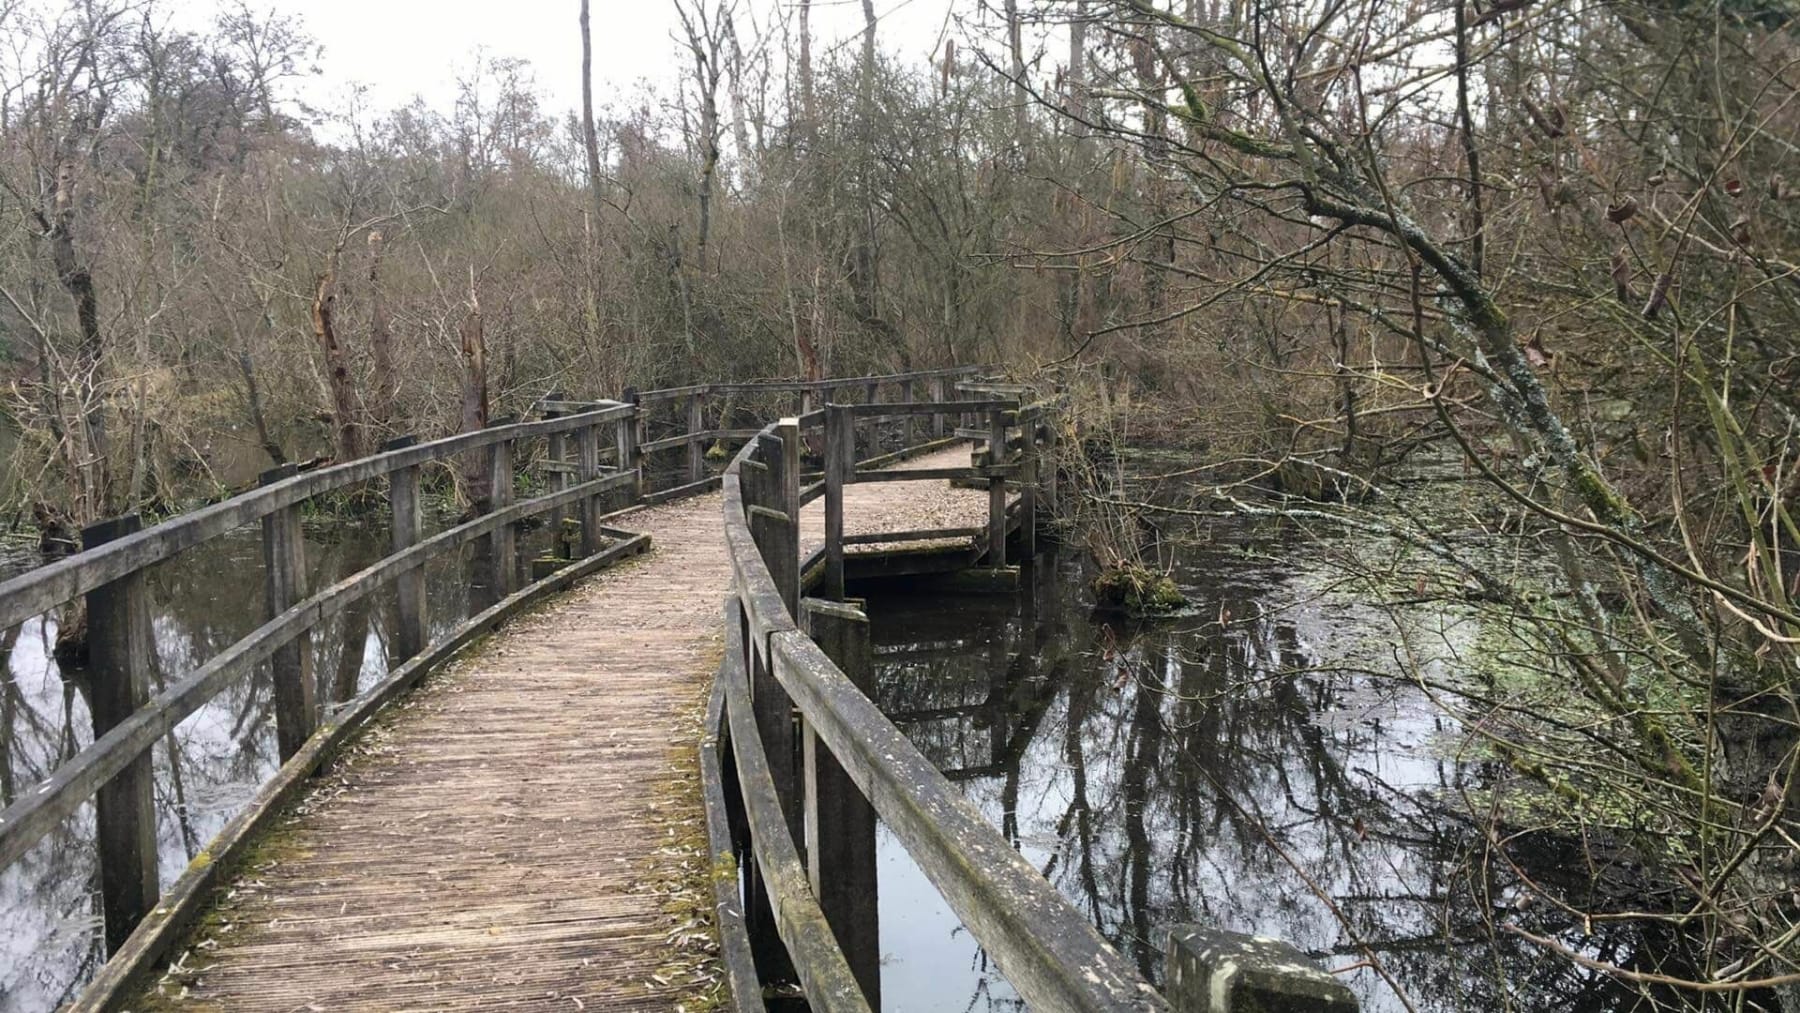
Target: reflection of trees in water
208,767
1221,774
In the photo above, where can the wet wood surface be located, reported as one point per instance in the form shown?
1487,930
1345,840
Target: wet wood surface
524,831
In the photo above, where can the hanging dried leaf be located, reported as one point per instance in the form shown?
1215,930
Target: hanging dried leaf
1536,354
1659,295
1547,185
1623,211
1734,186
1740,231
1549,124
1621,276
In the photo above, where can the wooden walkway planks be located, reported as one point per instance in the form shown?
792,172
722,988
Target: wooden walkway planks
523,832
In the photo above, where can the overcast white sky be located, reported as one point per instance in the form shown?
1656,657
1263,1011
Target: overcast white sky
404,47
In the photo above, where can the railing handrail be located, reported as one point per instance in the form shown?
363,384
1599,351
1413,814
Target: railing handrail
39,590
1051,953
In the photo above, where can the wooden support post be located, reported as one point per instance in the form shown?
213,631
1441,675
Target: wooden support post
558,453
696,424
907,428
630,438
872,395
785,564
935,388
504,540
413,631
284,584
996,489
1028,488
839,822
840,443
120,652
588,468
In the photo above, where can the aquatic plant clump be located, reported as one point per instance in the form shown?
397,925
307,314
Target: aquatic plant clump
1137,591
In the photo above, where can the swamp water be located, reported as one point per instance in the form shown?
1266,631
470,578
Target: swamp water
1261,765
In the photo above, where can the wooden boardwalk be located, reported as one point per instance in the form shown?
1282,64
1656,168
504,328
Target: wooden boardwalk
524,831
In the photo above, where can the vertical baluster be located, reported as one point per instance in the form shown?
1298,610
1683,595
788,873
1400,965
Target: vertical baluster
696,451
284,584
413,631
872,395
629,440
996,457
908,431
839,822
840,442
1028,485
557,450
119,658
936,392
587,442
504,539
783,498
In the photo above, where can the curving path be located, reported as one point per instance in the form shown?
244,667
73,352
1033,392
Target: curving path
524,831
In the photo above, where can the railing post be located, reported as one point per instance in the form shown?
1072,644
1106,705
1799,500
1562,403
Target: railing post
284,584
840,823
558,452
587,446
696,424
629,440
935,388
996,488
906,397
504,538
1213,971
1028,485
872,395
840,444
413,631
785,568
120,652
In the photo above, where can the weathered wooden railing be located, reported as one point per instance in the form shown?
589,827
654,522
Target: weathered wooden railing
109,577
800,761
808,749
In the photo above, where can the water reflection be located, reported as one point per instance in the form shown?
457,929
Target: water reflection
1254,767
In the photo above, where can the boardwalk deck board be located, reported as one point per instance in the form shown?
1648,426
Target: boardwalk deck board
520,831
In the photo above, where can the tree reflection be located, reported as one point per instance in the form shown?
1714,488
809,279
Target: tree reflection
1244,769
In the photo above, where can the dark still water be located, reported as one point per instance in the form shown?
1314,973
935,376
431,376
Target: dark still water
1255,766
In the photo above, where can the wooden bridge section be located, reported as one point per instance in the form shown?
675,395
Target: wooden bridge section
532,830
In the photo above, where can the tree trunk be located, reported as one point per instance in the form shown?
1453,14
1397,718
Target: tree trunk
740,114
596,197
474,395
337,363
90,366
806,70
1076,78
381,341
1021,94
